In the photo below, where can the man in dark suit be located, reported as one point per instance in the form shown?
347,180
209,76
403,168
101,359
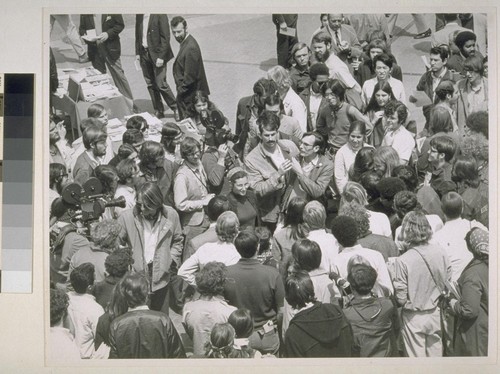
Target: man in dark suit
189,72
285,42
105,51
312,97
153,51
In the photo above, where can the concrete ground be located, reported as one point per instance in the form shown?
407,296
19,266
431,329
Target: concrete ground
238,50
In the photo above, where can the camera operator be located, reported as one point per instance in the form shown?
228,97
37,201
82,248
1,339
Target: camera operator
58,177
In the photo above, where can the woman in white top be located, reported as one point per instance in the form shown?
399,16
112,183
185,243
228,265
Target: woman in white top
383,67
345,156
379,222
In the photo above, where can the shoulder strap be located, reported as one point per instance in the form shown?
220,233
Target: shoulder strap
429,268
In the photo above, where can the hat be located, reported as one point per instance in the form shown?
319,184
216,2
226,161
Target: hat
479,241
463,37
233,171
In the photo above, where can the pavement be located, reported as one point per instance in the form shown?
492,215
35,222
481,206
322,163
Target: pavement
238,50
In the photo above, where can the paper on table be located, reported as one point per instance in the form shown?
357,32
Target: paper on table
290,31
421,98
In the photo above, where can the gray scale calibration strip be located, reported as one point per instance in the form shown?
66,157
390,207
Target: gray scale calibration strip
17,182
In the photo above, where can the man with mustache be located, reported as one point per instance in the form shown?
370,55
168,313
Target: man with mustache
189,72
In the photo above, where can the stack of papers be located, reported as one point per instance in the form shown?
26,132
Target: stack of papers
155,125
115,129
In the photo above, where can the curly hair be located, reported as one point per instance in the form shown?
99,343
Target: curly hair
210,280
404,202
59,302
105,234
415,229
475,145
359,214
118,262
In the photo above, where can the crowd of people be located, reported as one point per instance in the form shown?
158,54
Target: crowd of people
330,224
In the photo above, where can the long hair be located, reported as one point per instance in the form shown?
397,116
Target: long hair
293,215
384,86
387,157
415,229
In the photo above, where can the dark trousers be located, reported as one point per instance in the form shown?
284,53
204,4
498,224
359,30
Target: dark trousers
183,103
284,47
101,61
159,300
156,81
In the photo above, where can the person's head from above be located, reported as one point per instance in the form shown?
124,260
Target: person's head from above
247,244
191,152
118,262
239,181
465,171
441,151
321,44
98,112
171,136
210,280
377,34
359,214
445,92
437,59
216,206
306,254
407,174
82,278
227,226
269,123
149,201
242,322
478,243
335,21
404,202
137,122
108,177
382,94
415,229
477,123
466,43
281,77
262,89
376,47
133,137
299,290
388,188
127,171
264,234
452,205
105,235
59,302
314,215
334,92
440,120
311,145
354,192
357,134
477,146
179,28
274,104
383,66
301,55
221,341
135,289
319,74
61,210
395,114
474,68
369,180
345,230
385,159
294,211
362,163
128,152
362,278
95,140
88,122
152,155
58,177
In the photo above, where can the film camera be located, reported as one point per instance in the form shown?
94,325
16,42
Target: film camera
217,133
88,200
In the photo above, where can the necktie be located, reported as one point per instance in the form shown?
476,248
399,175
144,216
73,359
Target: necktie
337,39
